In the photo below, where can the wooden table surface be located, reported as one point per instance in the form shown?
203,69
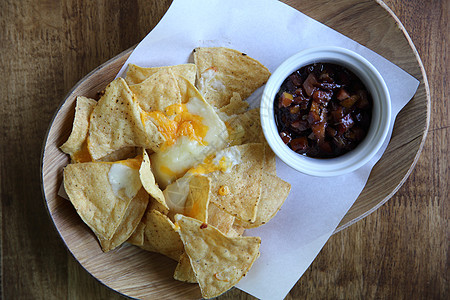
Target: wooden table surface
398,252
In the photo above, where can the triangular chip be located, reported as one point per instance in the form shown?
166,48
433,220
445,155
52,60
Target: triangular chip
197,201
219,262
187,89
137,237
160,235
222,71
270,165
236,230
101,192
121,154
183,271
76,145
136,74
130,221
236,106
149,183
116,122
192,132
220,219
238,190
158,91
154,204
245,128
274,192
176,194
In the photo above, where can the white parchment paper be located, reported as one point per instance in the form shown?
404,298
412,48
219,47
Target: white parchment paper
270,32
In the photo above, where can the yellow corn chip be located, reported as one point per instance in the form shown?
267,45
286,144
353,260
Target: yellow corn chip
222,71
243,183
269,160
130,221
183,271
196,205
121,154
76,145
99,195
236,106
149,183
137,237
218,261
154,204
220,219
195,132
246,128
236,230
274,192
187,89
160,235
116,122
136,74
158,91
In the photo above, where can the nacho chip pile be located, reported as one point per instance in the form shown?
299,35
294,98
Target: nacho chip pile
172,160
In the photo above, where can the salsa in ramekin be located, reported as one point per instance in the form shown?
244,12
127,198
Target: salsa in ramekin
323,110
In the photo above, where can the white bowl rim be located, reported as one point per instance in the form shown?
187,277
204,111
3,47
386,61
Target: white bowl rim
381,115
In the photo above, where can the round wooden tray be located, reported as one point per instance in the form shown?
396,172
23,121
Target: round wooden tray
140,274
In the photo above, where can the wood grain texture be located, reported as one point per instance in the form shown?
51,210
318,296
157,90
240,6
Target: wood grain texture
399,251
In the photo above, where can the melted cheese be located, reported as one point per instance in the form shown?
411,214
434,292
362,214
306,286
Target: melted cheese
208,78
178,120
193,131
124,178
223,161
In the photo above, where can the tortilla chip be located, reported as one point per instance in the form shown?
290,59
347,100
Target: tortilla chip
236,230
183,271
222,71
196,205
149,183
92,195
121,154
176,194
274,193
158,91
137,237
236,106
220,219
243,182
136,74
116,122
130,221
160,235
76,145
187,89
246,128
154,204
195,132
270,165
218,261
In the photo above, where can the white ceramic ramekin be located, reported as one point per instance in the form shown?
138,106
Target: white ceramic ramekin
381,112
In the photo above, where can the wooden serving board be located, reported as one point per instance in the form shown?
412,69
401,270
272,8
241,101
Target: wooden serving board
140,274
